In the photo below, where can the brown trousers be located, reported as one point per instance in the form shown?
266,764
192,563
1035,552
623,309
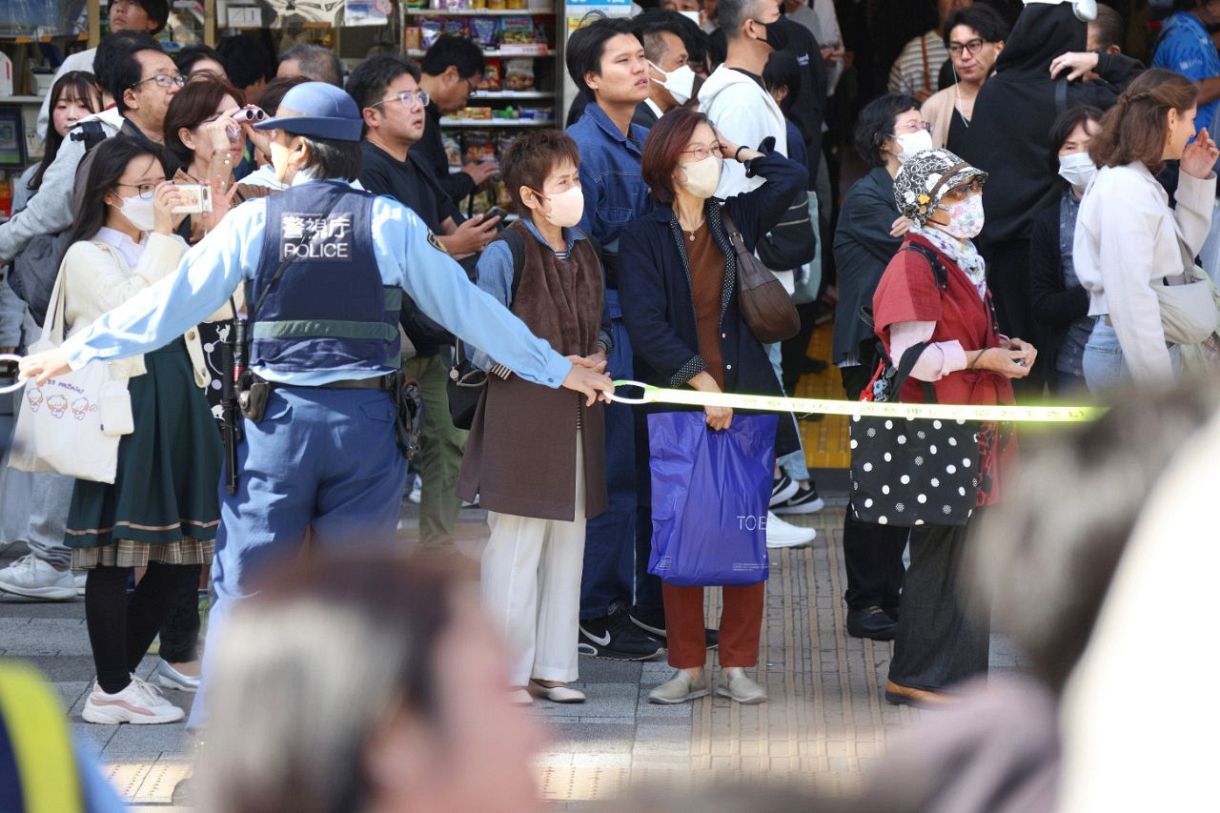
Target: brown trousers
740,625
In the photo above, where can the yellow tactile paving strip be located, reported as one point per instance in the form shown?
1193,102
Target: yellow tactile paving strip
825,441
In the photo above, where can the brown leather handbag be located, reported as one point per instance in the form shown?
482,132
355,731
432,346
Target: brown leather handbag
766,306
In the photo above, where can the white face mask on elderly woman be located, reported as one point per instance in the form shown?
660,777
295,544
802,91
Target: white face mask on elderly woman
702,177
965,217
912,143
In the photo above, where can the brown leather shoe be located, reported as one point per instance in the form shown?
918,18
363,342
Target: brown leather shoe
900,695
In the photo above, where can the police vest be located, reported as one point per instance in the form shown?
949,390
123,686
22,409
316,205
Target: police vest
329,311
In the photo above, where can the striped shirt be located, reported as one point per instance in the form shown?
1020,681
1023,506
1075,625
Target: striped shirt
918,65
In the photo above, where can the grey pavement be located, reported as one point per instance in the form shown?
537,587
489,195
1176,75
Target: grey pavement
826,719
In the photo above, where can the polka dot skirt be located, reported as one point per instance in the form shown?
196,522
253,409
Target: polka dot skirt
913,472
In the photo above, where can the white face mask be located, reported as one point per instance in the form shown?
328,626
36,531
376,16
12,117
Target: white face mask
911,143
567,207
1077,169
679,82
702,177
693,16
139,212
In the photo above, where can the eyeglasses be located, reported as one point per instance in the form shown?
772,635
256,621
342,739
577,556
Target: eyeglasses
912,127
144,190
963,192
700,152
408,98
164,81
971,47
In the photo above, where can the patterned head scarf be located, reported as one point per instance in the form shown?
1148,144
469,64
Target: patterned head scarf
928,176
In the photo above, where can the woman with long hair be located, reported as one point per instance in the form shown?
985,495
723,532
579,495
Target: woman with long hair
34,505
161,513
680,295
1127,235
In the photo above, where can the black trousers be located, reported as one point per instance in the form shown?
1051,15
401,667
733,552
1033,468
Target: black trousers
872,553
180,630
1008,280
121,628
938,642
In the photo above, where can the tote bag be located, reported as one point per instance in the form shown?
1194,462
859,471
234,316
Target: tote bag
60,424
709,498
910,472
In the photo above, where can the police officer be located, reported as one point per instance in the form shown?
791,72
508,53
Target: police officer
324,267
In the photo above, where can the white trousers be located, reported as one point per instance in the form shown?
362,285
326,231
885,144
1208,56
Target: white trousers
531,587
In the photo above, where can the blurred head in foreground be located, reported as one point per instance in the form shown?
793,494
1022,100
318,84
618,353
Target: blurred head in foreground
365,685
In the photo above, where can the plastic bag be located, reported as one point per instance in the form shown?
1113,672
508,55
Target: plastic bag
709,498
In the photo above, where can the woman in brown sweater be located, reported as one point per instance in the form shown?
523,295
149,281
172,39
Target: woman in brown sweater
536,456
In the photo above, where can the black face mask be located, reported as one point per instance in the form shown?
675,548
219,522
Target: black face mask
777,36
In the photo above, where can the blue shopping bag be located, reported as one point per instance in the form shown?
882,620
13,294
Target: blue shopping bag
709,498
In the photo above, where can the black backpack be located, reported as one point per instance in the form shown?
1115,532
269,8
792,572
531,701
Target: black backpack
34,269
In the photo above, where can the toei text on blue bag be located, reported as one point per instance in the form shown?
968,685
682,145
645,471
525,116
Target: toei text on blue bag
709,498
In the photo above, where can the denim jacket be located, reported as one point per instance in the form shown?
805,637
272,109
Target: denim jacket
615,192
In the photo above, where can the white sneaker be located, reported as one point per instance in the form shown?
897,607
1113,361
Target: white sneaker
167,677
782,534
33,578
138,704
416,492
79,580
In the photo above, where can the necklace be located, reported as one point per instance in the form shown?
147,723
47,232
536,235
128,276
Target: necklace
692,232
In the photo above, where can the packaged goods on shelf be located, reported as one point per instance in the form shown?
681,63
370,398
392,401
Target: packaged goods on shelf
480,145
484,31
453,149
519,74
491,75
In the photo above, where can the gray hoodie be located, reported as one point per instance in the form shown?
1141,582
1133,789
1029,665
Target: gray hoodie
50,211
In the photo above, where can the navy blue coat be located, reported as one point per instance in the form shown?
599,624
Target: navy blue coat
659,308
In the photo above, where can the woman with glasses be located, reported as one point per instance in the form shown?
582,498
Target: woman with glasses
679,291
975,37
934,293
204,137
161,513
889,130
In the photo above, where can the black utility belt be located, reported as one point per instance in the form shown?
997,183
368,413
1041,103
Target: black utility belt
255,390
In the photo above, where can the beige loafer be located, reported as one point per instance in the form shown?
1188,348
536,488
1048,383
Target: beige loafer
737,686
681,688
556,694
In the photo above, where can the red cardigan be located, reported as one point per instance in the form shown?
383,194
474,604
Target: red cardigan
908,293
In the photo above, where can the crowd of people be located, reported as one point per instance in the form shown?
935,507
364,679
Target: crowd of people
1035,217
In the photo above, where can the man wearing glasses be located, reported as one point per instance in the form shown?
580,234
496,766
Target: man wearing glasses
975,37
451,70
392,104
142,80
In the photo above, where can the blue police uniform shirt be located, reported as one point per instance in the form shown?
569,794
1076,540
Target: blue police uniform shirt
1186,48
614,189
212,270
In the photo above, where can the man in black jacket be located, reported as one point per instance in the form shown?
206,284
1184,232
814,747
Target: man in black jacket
451,70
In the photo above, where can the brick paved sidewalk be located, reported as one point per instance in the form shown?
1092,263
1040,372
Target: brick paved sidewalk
826,718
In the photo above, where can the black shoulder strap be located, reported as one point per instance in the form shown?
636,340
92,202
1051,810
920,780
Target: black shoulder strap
905,365
1061,95
938,268
252,313
516,244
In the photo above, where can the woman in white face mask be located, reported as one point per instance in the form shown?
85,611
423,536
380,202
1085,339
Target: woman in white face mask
678,288
934,293
1058,303
536,456
161,512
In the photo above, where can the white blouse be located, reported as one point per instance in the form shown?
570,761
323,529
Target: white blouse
1126,237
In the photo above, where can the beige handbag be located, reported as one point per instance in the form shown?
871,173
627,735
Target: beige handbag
1190,309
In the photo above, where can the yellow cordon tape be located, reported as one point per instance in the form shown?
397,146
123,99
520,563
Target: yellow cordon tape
828,406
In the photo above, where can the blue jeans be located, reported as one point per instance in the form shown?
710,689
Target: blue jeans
1104,367
298,471
616,556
